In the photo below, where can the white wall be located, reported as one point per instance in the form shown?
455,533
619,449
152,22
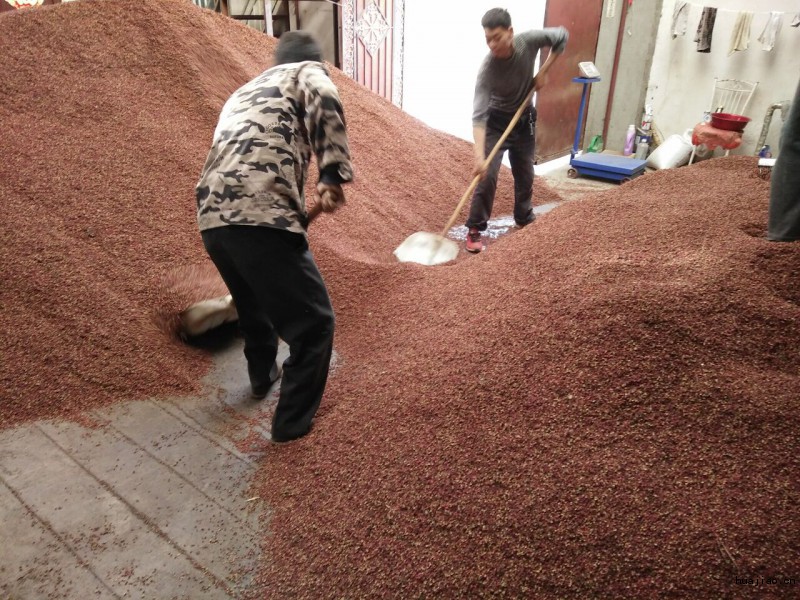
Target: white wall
444,46
681,78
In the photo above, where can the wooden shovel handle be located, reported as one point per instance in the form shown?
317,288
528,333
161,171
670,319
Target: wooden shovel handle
314,212
489,158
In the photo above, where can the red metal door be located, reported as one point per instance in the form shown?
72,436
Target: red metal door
557,104
372,45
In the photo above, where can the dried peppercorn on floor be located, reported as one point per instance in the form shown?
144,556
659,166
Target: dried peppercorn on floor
144,499
151,499
601,405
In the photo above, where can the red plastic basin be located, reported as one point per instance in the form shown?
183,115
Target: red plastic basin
729,122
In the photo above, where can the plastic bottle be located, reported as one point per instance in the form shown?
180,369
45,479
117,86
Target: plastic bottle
643,137
647,118
629,140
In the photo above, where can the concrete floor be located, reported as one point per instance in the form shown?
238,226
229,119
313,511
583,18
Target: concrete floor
555,175
153,503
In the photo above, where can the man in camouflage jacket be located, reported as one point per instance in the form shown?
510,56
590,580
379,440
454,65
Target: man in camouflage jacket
252,216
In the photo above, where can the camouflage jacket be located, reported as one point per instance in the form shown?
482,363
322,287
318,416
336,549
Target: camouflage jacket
256,170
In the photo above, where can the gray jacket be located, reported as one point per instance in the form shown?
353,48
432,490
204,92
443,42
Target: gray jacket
503,83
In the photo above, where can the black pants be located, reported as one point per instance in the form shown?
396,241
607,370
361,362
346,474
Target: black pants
784,196
521,144
278,291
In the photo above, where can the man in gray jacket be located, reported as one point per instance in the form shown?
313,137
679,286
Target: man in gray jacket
504,80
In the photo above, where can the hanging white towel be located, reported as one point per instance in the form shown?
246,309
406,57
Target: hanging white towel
771,31
796,20
680,18
740,39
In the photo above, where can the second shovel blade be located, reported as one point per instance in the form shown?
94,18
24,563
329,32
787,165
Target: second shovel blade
426,249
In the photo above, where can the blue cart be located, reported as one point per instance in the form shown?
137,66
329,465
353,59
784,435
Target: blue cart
593,164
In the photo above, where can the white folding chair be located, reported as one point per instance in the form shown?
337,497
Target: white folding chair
729,96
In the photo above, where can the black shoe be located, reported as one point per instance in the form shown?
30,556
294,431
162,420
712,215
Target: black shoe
518,225
260,392
281,439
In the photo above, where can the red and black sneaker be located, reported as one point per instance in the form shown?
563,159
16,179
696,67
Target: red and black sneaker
474,242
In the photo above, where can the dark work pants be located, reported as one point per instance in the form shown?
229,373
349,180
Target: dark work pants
521,144
784,196
278,291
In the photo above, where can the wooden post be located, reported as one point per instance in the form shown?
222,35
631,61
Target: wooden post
268,17
337,50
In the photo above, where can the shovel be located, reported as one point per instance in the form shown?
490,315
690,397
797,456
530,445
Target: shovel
434,248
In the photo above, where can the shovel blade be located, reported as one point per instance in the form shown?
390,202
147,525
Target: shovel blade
426,249
207,314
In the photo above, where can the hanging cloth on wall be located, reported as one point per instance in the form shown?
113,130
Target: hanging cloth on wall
680,17
796,20
771,30
740,39
705,29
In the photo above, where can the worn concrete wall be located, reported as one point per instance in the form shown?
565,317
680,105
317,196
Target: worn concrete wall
317,19
244,7
630,89
681,78
314,17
